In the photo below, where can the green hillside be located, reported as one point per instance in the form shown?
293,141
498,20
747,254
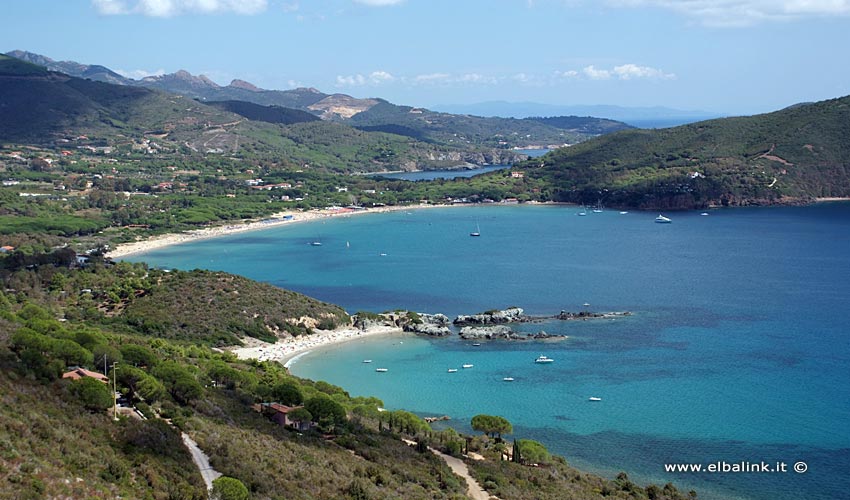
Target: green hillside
270,114
792,155
59,440
52,109
447,128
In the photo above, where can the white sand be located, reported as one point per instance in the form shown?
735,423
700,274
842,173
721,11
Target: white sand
288,350
275,220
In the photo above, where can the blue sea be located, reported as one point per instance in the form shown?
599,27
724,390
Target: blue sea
736,350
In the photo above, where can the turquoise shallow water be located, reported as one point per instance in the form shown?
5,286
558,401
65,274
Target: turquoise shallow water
737,349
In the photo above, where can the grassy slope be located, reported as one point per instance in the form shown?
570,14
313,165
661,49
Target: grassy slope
217,308
805,148
48,440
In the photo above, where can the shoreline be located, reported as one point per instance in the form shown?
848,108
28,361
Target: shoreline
275,220
295,217
287,351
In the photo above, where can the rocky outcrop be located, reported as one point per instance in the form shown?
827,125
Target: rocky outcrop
434,325
510,315
567,315
503,332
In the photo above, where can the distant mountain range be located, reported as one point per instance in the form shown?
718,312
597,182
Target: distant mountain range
641,117
372,115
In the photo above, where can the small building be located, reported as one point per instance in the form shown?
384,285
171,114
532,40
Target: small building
517,174
6,248
78,373
280,414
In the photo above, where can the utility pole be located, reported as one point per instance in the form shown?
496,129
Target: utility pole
115,390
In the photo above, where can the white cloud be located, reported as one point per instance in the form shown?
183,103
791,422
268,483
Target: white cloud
744,12
381,77
596,74
622,72
431,78
633,71
567,74
379,3
358,80
138,74
170,8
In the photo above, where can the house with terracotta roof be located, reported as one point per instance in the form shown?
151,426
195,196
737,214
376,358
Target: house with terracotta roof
78,373
280,414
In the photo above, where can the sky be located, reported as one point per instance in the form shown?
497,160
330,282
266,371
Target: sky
728,57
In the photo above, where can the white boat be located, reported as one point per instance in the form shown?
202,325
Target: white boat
380,370
704,213
597,210
544,359
316,243
582,213
477,231
477,344
367,360
623,212
468,365
663,220
452,370
594,398
508,379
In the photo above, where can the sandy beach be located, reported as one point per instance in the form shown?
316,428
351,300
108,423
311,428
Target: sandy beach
278,219
288,350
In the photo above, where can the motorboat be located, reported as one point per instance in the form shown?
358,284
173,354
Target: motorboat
380,370
367,360
452,370
594,398
544,359
663,220
468,365
508,379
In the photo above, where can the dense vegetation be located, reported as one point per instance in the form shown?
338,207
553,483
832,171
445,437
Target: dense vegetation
56,439
794,154
271,114
48,108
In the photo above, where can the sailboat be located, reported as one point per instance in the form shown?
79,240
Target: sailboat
477,231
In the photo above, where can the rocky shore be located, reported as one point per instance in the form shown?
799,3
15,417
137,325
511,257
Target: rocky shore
488,325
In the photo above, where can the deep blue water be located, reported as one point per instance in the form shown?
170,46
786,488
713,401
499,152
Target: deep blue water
737,348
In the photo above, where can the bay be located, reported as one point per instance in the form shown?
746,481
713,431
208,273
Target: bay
736,349
429,175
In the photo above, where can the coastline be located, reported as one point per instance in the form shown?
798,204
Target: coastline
275,220
287,351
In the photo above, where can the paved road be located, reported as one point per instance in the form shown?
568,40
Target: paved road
202,461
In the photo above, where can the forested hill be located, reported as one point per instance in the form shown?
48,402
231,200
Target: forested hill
792,155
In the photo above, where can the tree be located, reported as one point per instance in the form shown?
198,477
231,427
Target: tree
300,415
228,488
287,393
105,355
527,451
93,394
138,355
323,407
491,425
